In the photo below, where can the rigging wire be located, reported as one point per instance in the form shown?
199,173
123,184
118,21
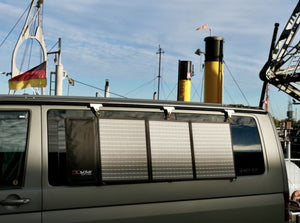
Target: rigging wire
236,83
171,92
148,82
24,54
53,46
30,53
14,26
195,91
91,86
32,32
162,88
29,45
154,84
229,95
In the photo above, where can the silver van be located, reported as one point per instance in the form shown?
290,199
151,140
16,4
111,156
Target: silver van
67,159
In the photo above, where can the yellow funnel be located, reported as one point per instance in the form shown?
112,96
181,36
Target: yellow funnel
213,72
185,72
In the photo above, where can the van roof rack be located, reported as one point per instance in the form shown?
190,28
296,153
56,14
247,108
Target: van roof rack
119,102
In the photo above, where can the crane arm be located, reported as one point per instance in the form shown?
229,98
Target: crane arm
283,65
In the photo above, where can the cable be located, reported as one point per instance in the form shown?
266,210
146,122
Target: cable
171,92
14,26
30,53
168,88
24,54
88,85
53,47
195,91
236,84
148,82
229,95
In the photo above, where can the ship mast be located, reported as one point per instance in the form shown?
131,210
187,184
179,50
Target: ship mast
26,33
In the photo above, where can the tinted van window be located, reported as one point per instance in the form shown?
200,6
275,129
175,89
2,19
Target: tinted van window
247,147
72,143
85,149
13,140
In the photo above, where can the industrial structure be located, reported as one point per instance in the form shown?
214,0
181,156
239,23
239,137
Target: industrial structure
282,68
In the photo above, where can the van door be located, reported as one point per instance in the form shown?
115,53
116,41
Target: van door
20,164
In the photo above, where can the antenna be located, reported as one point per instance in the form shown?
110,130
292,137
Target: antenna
159,52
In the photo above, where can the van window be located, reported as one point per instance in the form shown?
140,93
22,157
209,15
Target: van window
81,150
207,118
248,154
13,141
132,115
72,147
112,148
247,148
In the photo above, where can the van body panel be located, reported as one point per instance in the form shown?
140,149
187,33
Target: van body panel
235,209
79,197
22,217
31,189
256,197
273,152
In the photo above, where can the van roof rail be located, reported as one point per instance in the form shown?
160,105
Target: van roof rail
120,102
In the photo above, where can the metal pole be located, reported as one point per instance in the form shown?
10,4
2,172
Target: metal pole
267,98
263,72
59,72
160,51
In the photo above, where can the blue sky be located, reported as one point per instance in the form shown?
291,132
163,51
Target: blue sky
118,40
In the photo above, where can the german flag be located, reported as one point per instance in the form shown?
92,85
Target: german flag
36,77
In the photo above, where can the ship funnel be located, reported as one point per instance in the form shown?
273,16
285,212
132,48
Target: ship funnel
106,91
213,72
185,72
